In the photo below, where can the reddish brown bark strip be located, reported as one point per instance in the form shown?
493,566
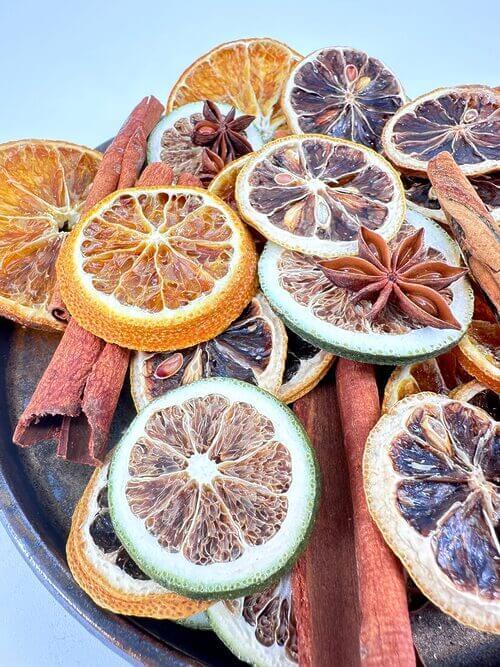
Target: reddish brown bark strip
189,180
57,307
471,223
385,635
157,173
134,156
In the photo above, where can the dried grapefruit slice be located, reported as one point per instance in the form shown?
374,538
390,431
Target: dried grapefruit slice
311,193
464,120
248,74
43,186
342,92
431,471
157,268
253,348
105,571
479,353
325,316
479,395
259,628
213,489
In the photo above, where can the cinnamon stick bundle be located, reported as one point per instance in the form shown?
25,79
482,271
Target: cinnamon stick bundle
471,223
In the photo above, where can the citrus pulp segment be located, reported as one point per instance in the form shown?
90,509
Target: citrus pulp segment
342,92
253,348
213,489
248,74
324,314
260,628
479,353
105,571
157,268
431,480
311,193
43,187
464,121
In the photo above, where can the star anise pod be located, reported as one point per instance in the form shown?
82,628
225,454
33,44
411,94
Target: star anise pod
224,135
403,276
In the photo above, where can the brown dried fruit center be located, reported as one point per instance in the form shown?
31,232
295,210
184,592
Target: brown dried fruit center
178,149
209,479
319,189
157,251
449,461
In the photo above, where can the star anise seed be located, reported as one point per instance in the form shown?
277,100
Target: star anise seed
402,276
223,135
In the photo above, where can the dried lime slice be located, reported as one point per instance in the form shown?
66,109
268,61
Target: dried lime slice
259,628
213,489
432,482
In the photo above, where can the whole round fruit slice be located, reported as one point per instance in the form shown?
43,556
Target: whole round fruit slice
479,353
421,197
253,348
260,628
477,394
311,193
248,74
342,92
171,141
43,186
105,571
325,316
157,268
464,120
305,366
431,474
213,489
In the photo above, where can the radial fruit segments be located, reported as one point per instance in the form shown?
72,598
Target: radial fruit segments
157,268
342,92
213,489
431,471
104,569
311,193
43,186
465,121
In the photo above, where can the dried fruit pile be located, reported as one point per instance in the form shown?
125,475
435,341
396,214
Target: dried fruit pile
266,170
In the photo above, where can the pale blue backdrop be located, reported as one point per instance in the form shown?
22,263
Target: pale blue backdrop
73,70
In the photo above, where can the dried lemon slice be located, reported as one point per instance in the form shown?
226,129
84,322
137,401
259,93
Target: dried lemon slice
157,268
479,395
43,187
431,471
213,489
479,353
104,569
464,120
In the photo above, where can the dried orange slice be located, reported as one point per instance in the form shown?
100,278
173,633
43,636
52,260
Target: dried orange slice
342,92
431,476
253,348
464,120
248,74
43,186
479,353
311,193
102,567
224,184
479,395
158,268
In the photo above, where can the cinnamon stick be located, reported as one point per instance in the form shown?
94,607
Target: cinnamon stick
471,223
57,307
385,634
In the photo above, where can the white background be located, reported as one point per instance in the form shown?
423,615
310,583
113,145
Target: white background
73,70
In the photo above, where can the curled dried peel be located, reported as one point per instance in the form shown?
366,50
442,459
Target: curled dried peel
432,485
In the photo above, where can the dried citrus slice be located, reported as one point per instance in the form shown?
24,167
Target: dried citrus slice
105,571
253,348
248,74
325,315
464,120
479,395
420,195
213,489
342,92
157,268
43,186
431,474
259,628
311,193
479,353
224,184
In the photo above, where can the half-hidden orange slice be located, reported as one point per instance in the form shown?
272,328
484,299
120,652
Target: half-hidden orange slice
479,353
